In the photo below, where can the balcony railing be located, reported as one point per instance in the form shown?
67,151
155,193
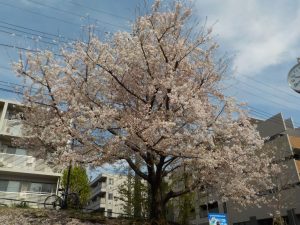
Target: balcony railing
22,162
12,127
99,188
35,199
16,161
94,205
99,203
102,201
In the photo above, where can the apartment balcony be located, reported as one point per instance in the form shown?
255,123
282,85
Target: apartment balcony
22,163
97,204
93,206
12,127
17,161
98,189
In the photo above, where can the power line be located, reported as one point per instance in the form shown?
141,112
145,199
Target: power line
10,84
266,99
28,33
38,31
17,47
270,86
98,10
273,94
268,116
25,49
72,13
53,18
19,35
10,91
37,40
40,14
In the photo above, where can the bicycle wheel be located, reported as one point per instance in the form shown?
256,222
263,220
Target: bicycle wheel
53,202
73,201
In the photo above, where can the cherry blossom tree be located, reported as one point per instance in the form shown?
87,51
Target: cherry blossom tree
152,96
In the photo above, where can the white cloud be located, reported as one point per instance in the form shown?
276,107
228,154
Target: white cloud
260,33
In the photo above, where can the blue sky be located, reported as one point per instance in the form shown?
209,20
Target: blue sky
261,38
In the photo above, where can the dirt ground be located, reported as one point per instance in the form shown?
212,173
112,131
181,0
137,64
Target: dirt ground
20,216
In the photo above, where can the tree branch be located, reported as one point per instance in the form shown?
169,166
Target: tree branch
136,169
172,194
118,81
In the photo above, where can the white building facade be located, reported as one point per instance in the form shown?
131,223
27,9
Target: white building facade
105,195
22,176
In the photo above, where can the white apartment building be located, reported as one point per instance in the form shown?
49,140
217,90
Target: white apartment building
22,176
105,194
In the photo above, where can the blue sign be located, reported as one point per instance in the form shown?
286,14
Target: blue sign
217,219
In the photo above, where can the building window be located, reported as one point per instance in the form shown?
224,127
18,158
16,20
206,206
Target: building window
36,187
212,208
22,186
13,186
224,207
109,213
16,151
110,196
9,186
41,187
49,188
111,181
3,185
25,186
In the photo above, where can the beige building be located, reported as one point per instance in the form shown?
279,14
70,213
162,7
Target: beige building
105,194
22,176
283,144
284,141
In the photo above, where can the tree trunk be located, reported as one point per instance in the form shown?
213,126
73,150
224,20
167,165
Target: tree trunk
157,206
137,212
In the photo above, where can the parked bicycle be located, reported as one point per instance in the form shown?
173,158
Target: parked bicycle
67,200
